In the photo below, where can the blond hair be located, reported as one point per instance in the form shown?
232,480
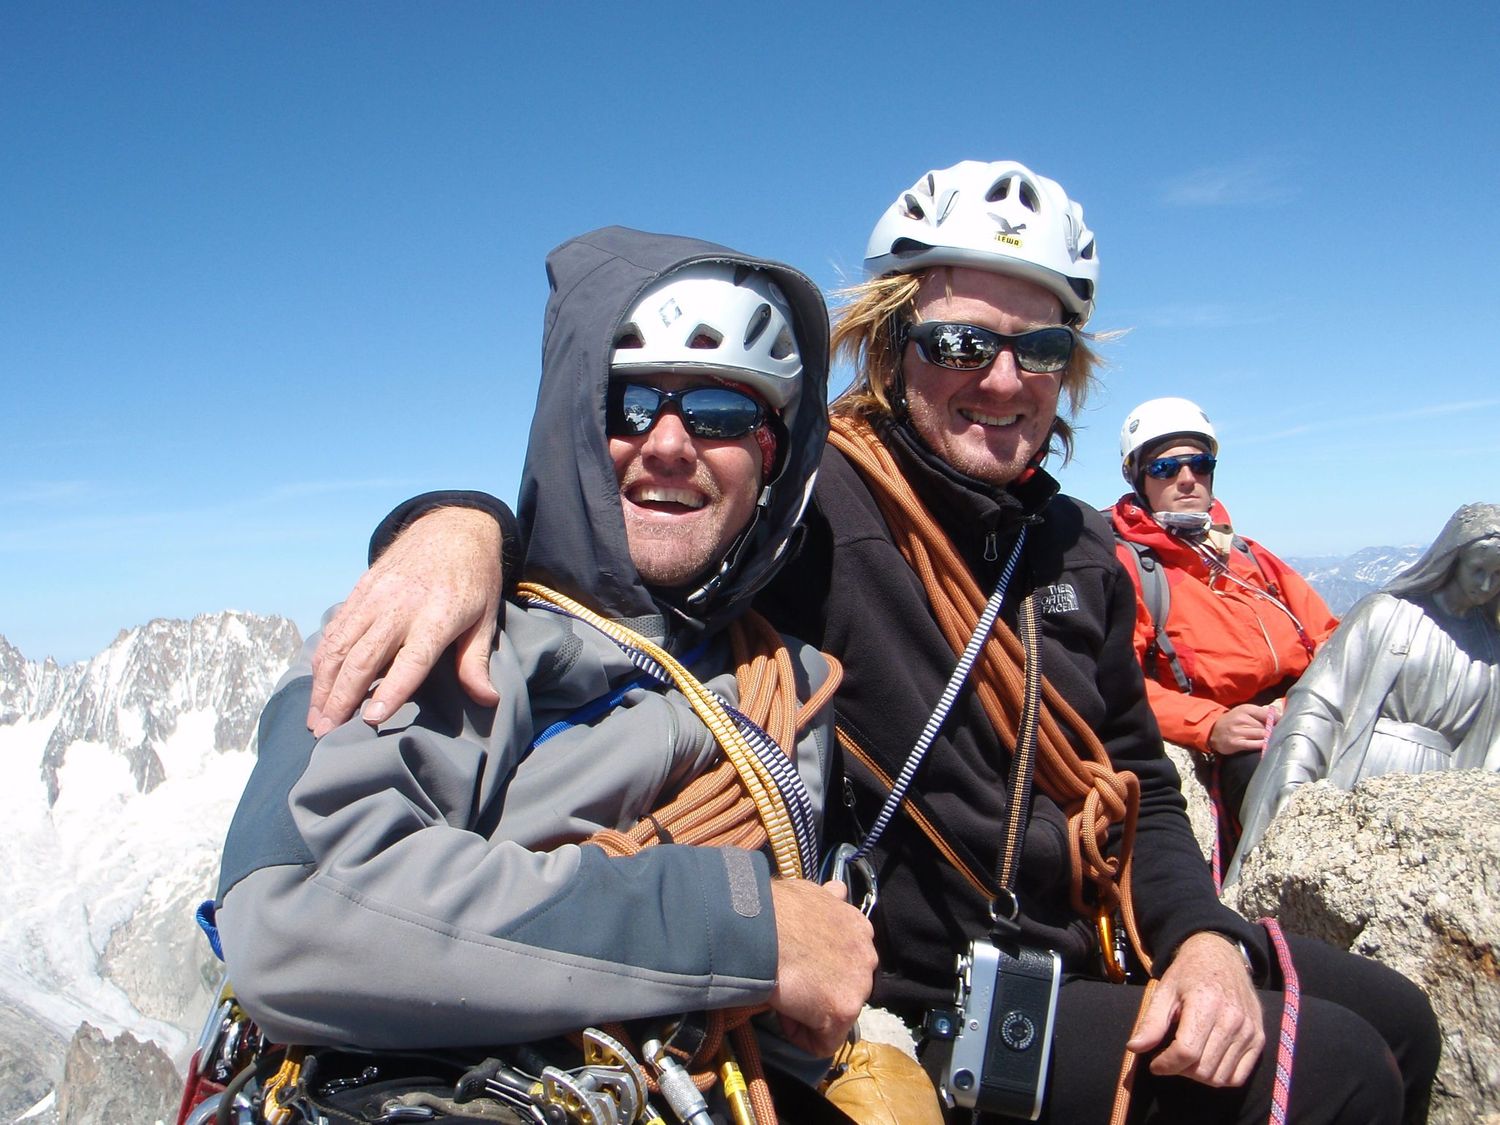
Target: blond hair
866,320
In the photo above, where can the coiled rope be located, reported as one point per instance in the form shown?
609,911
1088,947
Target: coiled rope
1092,793
736,803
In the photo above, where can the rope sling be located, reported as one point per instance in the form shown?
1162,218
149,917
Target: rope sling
736,803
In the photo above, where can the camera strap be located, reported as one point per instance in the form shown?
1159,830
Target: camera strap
1005,908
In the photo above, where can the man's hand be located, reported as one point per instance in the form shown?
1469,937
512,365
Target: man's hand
825,964
437,583
1207,997
1240,730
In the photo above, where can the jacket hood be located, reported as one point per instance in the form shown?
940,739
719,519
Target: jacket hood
570,499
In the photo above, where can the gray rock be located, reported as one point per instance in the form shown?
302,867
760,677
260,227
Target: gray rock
1405,869
1194,774
31,1062
109,1081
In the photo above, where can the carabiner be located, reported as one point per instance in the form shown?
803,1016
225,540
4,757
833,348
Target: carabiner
845,859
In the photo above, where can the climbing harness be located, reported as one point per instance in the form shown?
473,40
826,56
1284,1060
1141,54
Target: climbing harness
267,1084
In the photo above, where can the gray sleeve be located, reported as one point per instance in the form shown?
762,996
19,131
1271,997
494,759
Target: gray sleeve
405,924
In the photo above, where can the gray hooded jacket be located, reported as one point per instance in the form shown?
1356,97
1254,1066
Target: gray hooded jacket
424,884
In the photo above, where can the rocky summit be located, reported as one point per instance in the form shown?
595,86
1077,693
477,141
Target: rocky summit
1404,869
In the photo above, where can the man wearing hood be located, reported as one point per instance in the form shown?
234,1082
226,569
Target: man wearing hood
1239,625
466,875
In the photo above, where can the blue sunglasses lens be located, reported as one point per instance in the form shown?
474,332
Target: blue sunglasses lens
1165,468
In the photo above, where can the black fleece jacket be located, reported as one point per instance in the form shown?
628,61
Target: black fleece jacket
851,593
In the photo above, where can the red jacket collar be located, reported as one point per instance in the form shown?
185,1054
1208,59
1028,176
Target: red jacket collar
1132,521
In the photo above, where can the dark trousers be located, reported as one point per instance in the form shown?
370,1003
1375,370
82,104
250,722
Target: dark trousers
1366,1051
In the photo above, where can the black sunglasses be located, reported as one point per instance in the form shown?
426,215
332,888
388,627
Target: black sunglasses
1166,468
968,347
715,413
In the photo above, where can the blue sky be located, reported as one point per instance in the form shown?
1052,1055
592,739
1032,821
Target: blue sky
267,269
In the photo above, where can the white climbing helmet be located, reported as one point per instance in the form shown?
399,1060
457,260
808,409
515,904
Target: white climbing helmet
725,317
1160,418
998,216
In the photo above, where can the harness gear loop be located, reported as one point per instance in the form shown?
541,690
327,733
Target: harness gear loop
1092,793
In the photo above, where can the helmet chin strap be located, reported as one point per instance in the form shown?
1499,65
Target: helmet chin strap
696,599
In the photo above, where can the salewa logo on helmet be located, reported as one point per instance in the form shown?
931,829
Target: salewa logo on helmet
1007,234
1060,598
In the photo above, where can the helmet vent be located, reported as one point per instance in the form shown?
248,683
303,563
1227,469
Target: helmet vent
629,337
998,190
1087,253
758,321
946,205
1029,199
912,207
705,338
741,272
784,345
906,247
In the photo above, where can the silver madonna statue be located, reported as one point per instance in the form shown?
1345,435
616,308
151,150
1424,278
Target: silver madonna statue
1407,683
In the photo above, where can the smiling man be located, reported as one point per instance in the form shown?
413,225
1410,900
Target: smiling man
465,876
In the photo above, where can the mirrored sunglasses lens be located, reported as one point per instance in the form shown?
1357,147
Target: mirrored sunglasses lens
633,410
719,413
963,347
1044,350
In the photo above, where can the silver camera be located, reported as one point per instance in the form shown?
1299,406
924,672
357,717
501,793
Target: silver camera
1006,1004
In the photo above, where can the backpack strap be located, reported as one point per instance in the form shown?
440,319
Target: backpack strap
1157,596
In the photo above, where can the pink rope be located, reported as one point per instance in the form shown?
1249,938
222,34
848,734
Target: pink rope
1286,1040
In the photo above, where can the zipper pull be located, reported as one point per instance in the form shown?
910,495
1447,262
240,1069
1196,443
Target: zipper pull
991,548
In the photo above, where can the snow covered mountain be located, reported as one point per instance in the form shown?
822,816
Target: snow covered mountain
123,772
1343,581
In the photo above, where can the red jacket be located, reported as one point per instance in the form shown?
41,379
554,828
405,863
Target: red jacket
1235,645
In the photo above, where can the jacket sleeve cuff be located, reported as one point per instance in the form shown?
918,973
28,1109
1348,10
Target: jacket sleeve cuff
709,919
513,546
